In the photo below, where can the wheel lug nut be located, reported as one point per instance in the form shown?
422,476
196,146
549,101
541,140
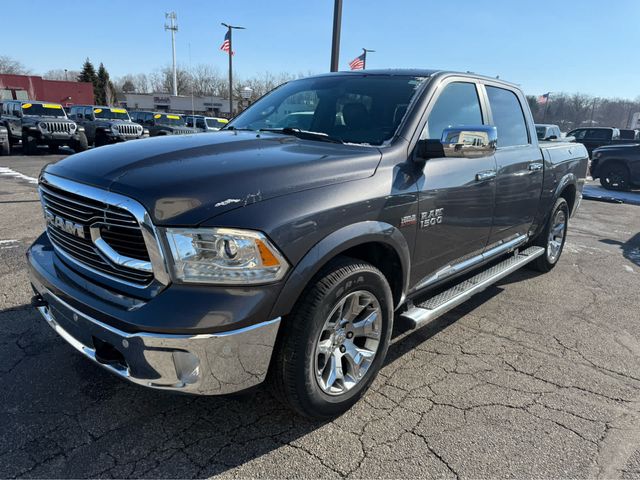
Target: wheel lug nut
349,334
342,349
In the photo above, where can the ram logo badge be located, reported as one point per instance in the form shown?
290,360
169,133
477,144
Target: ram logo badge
75,229
431,217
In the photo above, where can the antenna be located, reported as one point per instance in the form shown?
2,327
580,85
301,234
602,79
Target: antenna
173,27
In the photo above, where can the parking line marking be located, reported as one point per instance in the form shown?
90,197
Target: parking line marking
7,172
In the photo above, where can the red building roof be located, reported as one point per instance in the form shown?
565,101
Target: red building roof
55,91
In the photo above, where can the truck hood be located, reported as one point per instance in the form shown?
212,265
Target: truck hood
185,180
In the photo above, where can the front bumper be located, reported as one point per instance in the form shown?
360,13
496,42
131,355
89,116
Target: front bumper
221,361
206,364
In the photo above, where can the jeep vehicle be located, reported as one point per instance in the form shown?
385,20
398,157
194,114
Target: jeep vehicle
205,124
105,125
5,148
162,123
205,264
617,166
41,123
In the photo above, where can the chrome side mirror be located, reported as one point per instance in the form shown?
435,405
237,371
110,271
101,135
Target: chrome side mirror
469,141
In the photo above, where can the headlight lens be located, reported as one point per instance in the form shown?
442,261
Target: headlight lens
42,126
596,155
224,256
114,129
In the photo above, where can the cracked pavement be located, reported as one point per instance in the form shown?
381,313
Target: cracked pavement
538,376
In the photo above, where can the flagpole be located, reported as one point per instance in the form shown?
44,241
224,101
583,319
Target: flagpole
364,59
546,107
230,52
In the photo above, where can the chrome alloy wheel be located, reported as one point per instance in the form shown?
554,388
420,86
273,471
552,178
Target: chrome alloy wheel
348,342
556,236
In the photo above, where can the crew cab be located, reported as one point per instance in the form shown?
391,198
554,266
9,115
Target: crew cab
35,123
593,138
205,264
162,123
105,125
617,166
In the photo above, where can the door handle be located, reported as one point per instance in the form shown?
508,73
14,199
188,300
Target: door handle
534,167
485,175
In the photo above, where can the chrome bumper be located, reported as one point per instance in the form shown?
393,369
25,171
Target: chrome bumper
206,364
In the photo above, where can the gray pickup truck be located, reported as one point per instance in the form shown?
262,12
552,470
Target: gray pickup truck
206,264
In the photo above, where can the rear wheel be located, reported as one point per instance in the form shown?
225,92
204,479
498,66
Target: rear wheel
335,341
553,237
615,176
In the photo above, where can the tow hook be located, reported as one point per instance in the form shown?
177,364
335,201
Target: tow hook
37,301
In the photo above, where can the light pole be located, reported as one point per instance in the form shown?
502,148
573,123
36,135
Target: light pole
230,28
65,75
173,27
364,61
335,41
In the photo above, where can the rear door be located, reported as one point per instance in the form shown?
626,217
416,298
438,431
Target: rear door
597,137
455,204
519,165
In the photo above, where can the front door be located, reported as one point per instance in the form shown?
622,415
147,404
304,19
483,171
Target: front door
519,167
455,203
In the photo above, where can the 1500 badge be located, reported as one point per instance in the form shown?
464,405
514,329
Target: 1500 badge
431,218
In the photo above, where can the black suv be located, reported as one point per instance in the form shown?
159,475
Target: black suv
41,123
162,123
104,125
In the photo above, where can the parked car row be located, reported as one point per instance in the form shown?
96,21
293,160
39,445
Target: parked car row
34,123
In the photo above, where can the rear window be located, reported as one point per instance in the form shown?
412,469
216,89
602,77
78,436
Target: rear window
507,117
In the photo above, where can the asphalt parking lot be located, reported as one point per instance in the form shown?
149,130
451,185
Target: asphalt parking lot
539,376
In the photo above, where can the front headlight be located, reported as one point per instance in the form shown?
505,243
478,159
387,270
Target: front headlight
596,155
114,129
224,256
42,126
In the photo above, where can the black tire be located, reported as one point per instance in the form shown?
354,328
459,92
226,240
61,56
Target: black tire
100,139
29,144
615,176
53,148
547,261
81,144
293,374
5,148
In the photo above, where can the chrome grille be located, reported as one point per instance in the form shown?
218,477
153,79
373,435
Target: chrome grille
58,127
129,130
118,228
181,131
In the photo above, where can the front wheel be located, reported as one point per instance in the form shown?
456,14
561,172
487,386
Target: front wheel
81,144
5,147
29,144
553,237
334,342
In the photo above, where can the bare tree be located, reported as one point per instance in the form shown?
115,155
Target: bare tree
11,66
60,74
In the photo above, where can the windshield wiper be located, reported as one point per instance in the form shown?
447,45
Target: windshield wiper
306,134
231,127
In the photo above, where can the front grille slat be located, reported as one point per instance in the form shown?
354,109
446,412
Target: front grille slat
118,228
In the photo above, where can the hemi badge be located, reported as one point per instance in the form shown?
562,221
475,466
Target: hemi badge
408,220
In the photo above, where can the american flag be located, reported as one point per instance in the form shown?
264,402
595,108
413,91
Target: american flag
357,63
227,43
542,99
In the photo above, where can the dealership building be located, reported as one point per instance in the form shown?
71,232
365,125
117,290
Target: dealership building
31,87
163,102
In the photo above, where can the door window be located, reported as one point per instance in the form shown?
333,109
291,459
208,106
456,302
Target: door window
596,134
507,117
200,123
457,105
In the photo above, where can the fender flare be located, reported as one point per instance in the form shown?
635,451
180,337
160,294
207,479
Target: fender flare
565,181
334,244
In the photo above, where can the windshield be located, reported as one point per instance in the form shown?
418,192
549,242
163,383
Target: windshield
43,110
215,123
111,113
540,131
350,108
168,119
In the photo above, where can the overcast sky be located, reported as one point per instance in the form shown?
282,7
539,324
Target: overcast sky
545,45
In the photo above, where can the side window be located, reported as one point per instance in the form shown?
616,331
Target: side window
148,118
457,105
88,112
578,134
189,121
508,117
597,134
200,123
17,108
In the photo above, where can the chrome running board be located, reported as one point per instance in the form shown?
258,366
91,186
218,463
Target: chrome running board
441,303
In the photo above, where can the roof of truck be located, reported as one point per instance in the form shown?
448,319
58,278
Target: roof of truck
415,72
